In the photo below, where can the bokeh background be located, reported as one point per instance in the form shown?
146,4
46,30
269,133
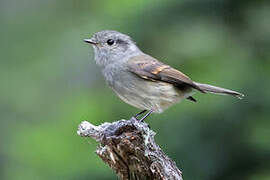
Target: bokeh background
50,83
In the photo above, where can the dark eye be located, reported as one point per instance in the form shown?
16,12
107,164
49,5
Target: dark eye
110,42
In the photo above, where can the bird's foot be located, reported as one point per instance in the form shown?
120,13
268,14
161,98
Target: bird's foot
144,117
137,115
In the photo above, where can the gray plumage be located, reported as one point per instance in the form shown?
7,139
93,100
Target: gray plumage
139,79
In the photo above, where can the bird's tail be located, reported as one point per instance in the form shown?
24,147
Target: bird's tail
218,90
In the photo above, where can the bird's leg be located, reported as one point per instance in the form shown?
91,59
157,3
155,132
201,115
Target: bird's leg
142,112
147,114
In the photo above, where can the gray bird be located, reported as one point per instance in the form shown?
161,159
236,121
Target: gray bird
141,80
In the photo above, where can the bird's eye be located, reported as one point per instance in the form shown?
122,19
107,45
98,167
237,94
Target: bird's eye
110,42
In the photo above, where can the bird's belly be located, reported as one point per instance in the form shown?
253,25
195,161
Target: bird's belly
146,95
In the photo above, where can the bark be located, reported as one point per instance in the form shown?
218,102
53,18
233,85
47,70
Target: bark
128,147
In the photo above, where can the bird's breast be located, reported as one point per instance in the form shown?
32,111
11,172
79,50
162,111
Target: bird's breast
141,93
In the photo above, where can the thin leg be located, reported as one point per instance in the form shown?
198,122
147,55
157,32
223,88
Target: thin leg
142,112
147,114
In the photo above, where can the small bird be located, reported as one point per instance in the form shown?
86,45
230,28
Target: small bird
141,80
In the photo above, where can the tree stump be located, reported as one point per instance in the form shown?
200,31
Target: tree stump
128,147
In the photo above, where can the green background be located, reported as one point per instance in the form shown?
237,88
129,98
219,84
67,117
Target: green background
50,83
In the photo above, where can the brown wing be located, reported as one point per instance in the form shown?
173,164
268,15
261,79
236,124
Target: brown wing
149,68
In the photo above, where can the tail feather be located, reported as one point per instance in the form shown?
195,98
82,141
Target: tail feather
218,90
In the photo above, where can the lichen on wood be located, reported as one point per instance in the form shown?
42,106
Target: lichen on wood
129,148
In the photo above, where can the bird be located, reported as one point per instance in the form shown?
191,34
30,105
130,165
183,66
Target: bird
141,80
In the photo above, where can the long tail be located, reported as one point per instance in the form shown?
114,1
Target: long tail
219,90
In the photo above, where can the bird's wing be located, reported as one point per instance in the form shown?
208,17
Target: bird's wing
149,68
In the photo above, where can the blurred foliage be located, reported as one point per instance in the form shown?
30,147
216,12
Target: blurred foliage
49,83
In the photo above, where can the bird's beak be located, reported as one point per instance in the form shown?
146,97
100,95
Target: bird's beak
90,41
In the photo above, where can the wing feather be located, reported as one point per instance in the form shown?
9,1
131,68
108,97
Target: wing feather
149,68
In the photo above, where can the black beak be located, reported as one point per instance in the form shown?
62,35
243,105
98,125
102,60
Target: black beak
90,41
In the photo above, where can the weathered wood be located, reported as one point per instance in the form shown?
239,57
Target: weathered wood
128,147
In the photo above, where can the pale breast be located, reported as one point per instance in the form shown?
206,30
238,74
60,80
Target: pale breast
146,94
